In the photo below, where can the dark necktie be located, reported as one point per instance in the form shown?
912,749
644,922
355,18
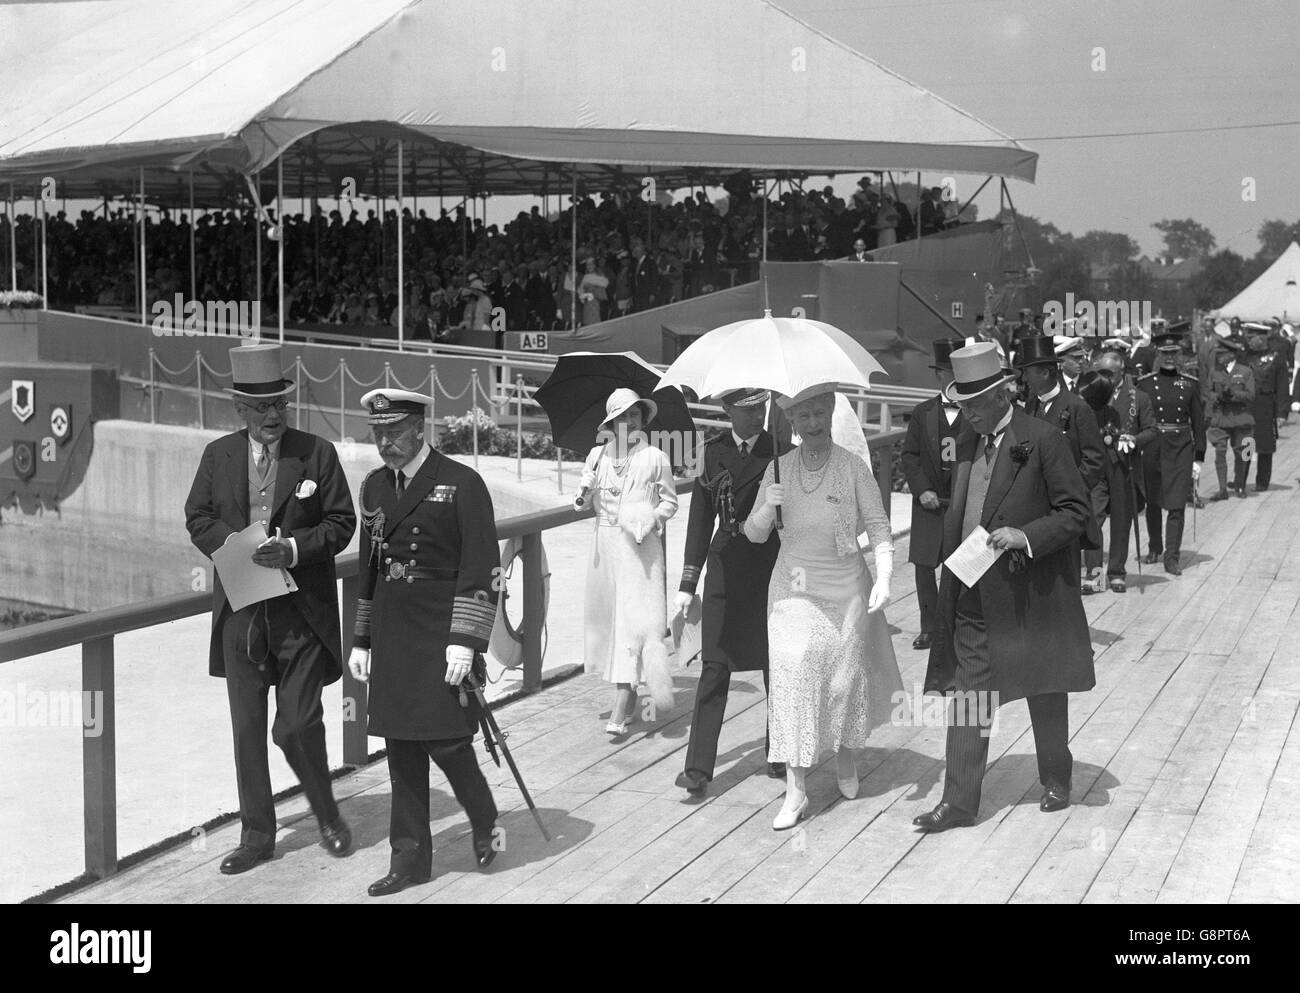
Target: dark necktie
401,483
990,448
744,449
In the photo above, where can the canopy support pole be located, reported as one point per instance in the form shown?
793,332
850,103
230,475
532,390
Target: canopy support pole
963,207
765,195
45,286
1016,219
917,221
401,259
13,241
573,255
279,243
194,282
257,253
144,300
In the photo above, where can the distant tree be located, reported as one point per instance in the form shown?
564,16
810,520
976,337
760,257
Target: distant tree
1130,280
1107,248
1185,239
1065,271
1275,236
1221,279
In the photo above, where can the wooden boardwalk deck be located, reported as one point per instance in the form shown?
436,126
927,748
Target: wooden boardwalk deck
1187,773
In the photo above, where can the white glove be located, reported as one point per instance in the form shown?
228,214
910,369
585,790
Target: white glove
774,495
1126,443
359,664
681,603
879,598
1196,471
459,659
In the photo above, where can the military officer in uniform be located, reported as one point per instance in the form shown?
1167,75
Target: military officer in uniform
1130,427
1270,405
425,611
1232,392
928,457
1172,462
734,635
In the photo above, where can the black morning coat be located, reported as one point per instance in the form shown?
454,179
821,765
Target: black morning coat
925,468
1072,415
444,523
1038,640
320,524
734,622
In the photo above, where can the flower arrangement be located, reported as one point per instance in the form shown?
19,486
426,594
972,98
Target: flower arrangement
20,300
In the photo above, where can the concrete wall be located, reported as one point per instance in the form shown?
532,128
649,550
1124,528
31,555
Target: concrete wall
120,537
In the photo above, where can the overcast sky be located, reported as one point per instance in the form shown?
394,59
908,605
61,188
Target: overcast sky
1026,67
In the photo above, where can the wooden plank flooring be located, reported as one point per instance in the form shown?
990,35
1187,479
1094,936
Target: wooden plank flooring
1186,779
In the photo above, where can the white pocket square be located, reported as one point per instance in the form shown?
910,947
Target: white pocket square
305,489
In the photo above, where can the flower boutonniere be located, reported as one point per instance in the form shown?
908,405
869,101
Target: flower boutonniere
1065,419
1015,561
1020,453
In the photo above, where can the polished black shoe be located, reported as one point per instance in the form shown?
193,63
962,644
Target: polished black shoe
244,858
1151,558
922,641
484,849
1221,495
695,782
776,770
336,838
943,817
1241,491
1172,567
1261,489
395,882
1054,798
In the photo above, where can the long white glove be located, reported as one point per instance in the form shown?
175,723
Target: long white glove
681,603
359,664
1196,471
773,497
459,659
879,598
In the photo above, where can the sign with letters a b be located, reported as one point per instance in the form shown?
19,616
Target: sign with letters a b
532,341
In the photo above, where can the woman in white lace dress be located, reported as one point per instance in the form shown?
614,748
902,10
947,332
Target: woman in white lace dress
833,672
630,484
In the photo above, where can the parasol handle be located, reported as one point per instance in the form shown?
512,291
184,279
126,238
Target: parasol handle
774,415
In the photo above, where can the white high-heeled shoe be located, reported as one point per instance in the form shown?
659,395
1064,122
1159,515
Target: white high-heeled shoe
848,785
787,818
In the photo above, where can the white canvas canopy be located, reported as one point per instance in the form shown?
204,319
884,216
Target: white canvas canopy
518,90
1276,293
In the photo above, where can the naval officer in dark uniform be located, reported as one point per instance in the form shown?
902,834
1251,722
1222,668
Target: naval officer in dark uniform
734,621
425,611
1232,396
1171,463
928,456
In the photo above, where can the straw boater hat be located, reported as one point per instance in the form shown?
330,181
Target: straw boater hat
256,371
976,370
816,390
390,406
623,398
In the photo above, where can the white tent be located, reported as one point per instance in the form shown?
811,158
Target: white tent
1276,293
650,84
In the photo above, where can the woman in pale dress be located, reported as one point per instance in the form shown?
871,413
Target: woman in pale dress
833,672
630,485
592,292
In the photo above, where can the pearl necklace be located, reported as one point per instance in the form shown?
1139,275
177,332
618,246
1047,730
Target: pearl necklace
820,473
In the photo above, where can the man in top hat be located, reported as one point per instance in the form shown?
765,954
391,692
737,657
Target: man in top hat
1232,395
1270,405
928,457
291,483
1038,363
425,610
1128,424
1172,463
1020,630
734,620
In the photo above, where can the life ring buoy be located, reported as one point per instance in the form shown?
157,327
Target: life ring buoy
506,644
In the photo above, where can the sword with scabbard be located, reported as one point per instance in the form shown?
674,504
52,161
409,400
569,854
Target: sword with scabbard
494,739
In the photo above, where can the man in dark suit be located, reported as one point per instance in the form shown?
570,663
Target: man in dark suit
292,484
1270,405
509,296
644,278
928,456
1038,364
734,635
1020,630
425,610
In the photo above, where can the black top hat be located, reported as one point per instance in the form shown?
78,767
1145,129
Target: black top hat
943,349
1096,388
1036,349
